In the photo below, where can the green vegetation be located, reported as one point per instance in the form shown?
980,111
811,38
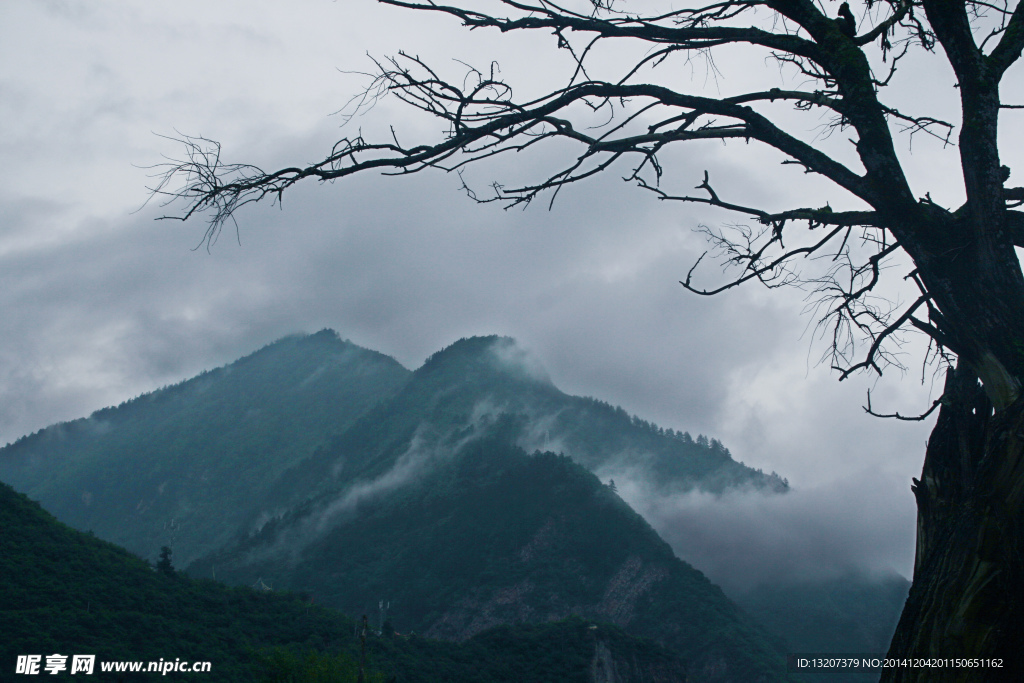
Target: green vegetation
572,650
70,593
489,535
67,592
193,465
316,466
288,665
188,465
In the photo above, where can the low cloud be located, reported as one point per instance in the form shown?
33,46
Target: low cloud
409,465
100,306
428,449
743,538
518,361
421,455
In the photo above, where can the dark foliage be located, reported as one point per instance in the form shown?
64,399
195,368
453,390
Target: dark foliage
186,465
67,592
164,565
490,535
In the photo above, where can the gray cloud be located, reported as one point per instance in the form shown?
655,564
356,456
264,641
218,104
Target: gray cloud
100,305
858,524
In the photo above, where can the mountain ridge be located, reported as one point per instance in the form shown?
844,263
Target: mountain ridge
359,457
264,432
143,474
492,536
300,518
69,592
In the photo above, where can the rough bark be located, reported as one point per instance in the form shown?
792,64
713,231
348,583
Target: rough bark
967,598
977,289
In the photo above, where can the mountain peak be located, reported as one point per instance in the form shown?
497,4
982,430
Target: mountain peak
325,337
490,354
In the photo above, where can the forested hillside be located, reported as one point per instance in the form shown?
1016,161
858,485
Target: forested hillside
194,464
188,465
69,593
476,381
467,496
485,534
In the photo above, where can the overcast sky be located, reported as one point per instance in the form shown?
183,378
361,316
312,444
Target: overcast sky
101,302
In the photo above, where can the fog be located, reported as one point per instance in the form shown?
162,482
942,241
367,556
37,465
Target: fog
102,302
741,539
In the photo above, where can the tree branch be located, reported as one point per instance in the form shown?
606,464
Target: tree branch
916,418
493,122
814,217
1009,48
869,360
691,36
752,270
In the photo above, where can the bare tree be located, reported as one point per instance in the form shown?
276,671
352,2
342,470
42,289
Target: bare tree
968,300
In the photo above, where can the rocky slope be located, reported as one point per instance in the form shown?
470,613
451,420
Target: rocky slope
487,534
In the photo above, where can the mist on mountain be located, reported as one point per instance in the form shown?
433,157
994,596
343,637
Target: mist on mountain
315,464
225,452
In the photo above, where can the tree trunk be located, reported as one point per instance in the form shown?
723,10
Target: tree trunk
967,597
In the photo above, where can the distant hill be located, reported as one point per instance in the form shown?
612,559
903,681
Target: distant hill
67,592
194,464
458,540
316,465
482,376
852,614
476,380
188,465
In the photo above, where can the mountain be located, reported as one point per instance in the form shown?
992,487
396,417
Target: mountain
192,465
188,465
315,465
479,376
459,537
70,593
851,614
477,379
